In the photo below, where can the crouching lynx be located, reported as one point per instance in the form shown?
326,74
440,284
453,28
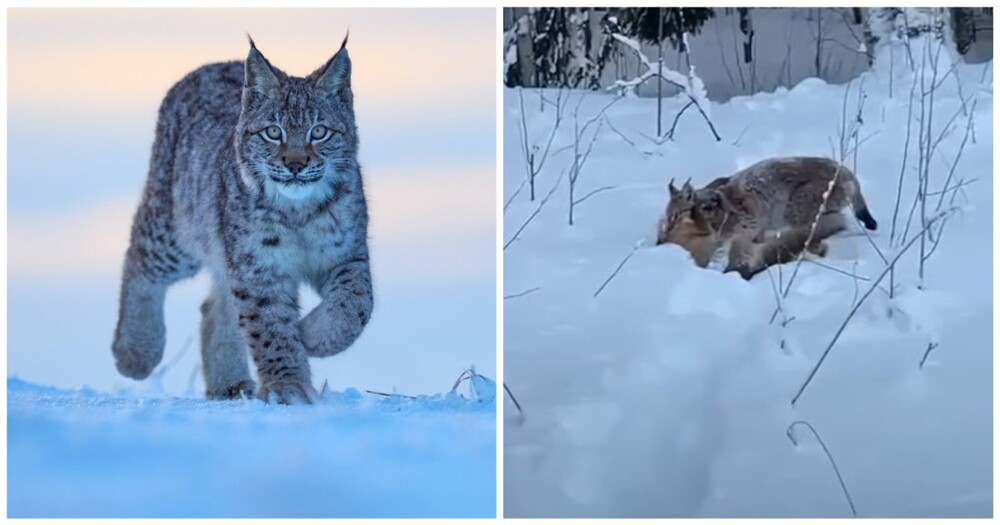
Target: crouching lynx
767,213
254,176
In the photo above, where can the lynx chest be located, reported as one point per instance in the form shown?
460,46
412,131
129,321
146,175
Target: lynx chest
306,251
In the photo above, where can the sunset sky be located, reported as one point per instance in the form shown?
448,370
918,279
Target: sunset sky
83,91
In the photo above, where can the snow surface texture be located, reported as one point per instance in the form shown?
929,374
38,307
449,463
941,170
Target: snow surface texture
87,454
669,393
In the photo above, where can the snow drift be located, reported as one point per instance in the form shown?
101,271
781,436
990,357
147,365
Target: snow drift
82,453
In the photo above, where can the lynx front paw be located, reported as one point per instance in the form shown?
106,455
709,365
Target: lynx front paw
745,272
287,392
242,389
137,357
324,336
141,333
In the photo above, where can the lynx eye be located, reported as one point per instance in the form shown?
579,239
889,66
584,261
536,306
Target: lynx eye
320,133
272,133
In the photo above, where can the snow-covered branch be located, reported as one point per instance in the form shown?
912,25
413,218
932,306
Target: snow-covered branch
690,84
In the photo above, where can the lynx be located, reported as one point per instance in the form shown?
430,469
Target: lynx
767,213
254,177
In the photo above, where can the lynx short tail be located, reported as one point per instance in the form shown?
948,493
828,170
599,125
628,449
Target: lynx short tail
861,210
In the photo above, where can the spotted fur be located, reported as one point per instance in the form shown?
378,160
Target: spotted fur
262,216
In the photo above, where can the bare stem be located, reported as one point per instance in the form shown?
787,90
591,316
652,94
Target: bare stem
838,270
790,432
592,193
522,294
677,118
535,213
534,160
618,269
619,133
580,158
930,347
954,164
520,411
902,168
383,394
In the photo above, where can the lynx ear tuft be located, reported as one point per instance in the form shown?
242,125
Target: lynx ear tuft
673,190
335,75
687,191
260,76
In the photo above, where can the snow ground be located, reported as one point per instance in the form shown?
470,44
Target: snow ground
668,395
82,453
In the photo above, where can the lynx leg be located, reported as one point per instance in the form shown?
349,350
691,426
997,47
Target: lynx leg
829,224
753,257
265,303
745,249
152,263
223,351
744,257
141,333
267,311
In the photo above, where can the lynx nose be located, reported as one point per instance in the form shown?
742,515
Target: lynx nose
295,164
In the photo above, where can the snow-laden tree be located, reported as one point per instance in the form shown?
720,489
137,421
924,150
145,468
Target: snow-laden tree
886,23
965,25
653,24
511,64
659,25
551,47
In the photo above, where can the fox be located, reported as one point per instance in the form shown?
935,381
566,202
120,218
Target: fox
765,214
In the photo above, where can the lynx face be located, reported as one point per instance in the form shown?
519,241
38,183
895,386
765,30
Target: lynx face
690,214
296,137
692,233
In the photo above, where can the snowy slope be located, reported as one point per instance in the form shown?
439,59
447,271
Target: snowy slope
88,454
668,394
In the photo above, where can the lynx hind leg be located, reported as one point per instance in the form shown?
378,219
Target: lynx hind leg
788,246
152,263
223,352
828,225
750,256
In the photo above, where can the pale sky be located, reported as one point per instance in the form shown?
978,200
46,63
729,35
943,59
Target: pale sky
83,90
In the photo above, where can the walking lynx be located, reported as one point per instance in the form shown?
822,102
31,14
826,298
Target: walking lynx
253,176
767,213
